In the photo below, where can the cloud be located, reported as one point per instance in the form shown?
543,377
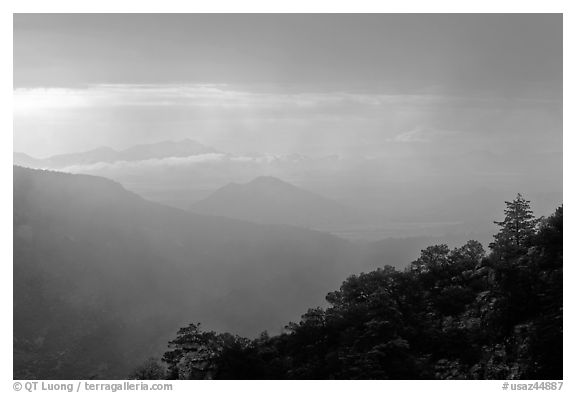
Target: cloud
221,96
200,95
146,164
422,135
200,160
279,119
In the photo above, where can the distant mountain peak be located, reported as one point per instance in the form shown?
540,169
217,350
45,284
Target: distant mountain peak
190,141
270,200
268,180
101,149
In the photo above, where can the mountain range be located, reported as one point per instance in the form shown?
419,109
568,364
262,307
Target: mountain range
165,149
355,199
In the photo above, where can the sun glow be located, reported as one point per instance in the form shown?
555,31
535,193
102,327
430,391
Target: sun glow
30,101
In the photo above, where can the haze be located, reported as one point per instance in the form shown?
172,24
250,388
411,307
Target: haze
236,170
393,112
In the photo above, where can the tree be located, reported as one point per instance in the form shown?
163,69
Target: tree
432,258
518,227
194,353
149,370
470,254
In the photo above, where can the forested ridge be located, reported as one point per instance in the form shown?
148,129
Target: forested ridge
460,313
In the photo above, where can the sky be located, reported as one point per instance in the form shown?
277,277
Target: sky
315,84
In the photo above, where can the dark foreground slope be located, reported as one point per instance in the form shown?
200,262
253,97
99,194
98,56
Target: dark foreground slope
454,314
103,277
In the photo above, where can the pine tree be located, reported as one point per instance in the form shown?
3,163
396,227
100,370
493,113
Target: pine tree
193,354
518,227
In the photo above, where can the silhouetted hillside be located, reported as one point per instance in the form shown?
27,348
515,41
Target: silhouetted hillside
102,276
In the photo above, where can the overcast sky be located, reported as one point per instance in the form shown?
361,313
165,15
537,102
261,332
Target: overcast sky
406,86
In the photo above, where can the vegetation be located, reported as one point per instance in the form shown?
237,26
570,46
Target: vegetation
453,314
